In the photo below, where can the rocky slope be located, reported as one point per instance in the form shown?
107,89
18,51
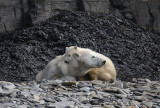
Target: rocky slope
134,51
140,93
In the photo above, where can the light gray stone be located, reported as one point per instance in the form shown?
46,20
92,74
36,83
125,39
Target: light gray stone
5,92
74,100
121,95
148,104
49,100
118,84
108,106
125,101
25,93
7,85
86,89
61,104
133,103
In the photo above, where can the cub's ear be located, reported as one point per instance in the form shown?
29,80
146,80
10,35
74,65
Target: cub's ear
75,55
66,48
75,47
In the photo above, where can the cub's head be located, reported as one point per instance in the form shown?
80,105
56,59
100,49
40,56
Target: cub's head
89,60
69,53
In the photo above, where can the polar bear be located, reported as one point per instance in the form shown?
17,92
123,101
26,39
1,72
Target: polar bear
105,73
80,64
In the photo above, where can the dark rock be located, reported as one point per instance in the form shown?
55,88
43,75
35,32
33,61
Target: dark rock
96,101
133,50
69,83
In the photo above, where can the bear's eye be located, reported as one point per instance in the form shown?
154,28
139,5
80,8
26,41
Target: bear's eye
69,55
93,56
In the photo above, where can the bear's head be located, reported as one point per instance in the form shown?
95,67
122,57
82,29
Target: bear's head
86,57
89,59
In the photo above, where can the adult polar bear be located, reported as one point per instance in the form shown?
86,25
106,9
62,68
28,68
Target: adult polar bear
80,64
105,73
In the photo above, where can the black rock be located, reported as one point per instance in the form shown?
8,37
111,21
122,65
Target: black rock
134,51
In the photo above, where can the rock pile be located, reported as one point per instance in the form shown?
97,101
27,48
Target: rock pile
134,51
140,93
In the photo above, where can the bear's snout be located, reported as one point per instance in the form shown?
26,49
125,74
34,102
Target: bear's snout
101,63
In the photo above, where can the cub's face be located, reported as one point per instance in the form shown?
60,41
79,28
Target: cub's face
69,53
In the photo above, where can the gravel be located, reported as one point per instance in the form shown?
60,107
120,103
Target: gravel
53,94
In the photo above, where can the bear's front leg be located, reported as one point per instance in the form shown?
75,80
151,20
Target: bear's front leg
93,75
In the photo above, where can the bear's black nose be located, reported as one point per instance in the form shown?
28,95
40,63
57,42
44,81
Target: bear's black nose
103,62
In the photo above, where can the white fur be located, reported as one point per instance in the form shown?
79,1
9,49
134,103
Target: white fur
78,66
105,72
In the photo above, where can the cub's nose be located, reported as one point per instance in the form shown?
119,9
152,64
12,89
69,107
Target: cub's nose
103,62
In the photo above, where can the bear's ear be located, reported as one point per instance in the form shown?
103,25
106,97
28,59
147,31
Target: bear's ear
75,47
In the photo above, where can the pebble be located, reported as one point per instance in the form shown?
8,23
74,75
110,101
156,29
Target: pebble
7,85
4,92
108,106
80,94
148,104
119,84
69,83
114,90
85,89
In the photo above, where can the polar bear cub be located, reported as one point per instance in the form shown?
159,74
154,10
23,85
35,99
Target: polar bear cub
105,73
80,64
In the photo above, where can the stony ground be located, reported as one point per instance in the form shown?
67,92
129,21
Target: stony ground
139,93
134,51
